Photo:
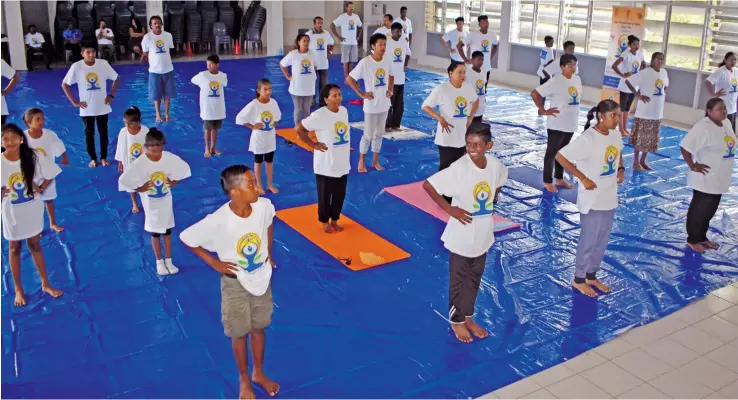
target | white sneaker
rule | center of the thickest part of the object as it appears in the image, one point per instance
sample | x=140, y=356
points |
x=172, y=269
x=161, y=268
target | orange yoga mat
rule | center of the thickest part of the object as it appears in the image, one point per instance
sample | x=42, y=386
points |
x=291, y=135
x=363, y=247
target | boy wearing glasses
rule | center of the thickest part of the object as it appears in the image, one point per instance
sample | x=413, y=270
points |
x=473, y=182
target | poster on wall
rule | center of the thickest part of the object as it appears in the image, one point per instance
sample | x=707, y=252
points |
x=625, y=21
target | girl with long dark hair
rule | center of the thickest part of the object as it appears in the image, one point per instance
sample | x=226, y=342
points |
x=136, y=33
x=723, y=83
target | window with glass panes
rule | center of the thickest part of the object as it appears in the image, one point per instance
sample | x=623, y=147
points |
x=440, y=16
x=722, y=33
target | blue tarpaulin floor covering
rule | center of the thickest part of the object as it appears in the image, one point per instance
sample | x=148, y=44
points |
x=122, y=331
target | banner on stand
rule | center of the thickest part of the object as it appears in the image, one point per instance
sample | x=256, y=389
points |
x=625, y=21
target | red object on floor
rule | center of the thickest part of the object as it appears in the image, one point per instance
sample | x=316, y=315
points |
x=189, y=50
x=237, y=49
x=357, y=102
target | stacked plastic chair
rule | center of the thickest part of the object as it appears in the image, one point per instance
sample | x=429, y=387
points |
x=175, y=23
x=209, y=17
x=237, y=15
x=138, y=8
x=225, y=15
x=85, y=23
x=122, y=23
x=255, y=28
x=64, y=13
x=193, y=21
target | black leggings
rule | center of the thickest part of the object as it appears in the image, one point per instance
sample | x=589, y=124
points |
x=260, y=158
x=156, y=235
x=331, y=193
x=556, y=141
x=394, y=116
x=701, y=210
x=102, y=129
x=448, y=155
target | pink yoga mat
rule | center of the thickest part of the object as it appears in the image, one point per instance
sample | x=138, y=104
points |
x=415, y=195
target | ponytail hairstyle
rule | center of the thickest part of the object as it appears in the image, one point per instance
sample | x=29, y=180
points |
x=29, y=114
x=132, y=113
x=727, y=56
x=712, y=103
x=297, y=40
x=633, y=38
x=27, y=157
x=602, y=107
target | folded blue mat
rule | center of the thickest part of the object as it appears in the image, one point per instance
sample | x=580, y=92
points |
x=533, y=178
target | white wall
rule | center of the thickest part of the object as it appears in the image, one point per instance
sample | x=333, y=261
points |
x=300, y=14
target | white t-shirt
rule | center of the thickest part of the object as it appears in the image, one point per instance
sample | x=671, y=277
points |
x=91, y=84
x=714, y=146
x=333, y=130
x=473, y=190
x=454, y=106
x=23, y=216
x=597, y=156
x=477, y=80
x=157, y=202
x=547, y=54
x=242, y=241
x=348, y=25
x=319, y=43
x=407, y=27
x=263, y=141
x=454, y=36
x=484, y=43
x=157, y=47
x=631, y=63
x=50, y=146
x=727, y=80
x=384, y=31
x=36, y=40
x=376, y=80
x=303, y=72
x=653, y=85
x=7, y=73
x=554, y=68
x=397, y=50
x=130, y=147
x=566, y=95
x=212, y=95
x=106, y=34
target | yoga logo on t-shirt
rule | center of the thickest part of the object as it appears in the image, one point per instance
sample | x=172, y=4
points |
x=658, y=88
x=161, y=188
x=573, y=96
x=398, y=55
x=485, y=46
x=351, y=24
x=248, y=248
x=622, y=43
x=160, y=46
x=320, y=43
x=214, y=89
x=305, y=66
x=341, y=130
x=611, y=155
x=479, y=84
x=635, y=65
x=379, y=77
x=92, y=81
x=482, y=199
x=729, y=147
x=460, y=106
x=734, y=85
x=40, y=150
x=18, y=191
x=135, y=151
x=404, y=29
x=34, y=42
x=268, y=120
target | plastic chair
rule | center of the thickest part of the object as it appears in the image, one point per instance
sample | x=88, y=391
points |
x=193, y=22
x=175, y=23
x=225, y=15
x=209, y=18
x=255, y=27
x=220, y=36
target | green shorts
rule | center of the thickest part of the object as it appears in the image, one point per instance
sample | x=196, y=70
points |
x=241, y=311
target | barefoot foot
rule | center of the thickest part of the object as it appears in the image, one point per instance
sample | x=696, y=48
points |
x=637, y=167
x=699, y=248
x=550, y=187
x=646, y=166
x=260, y=189
x=462, y=333
x=92, y=164
x=158, y=119
x=563, y=183
x=135, y=209
x=56, y=227
x=599, y=285
x=269, y=386
x=361, y=168
x=710, y=245
x=20, y=299
x=378, y=167
x=336, y=227
x=104, y=162
x=207, y=154
x=216, y=151
x=52, y=291
x=327, y=228
x=475, y=329
x=273, y=189
x=168, y=118
x=245, y=390
x=584, y=289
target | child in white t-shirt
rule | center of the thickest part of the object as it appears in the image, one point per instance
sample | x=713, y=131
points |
x=475, y=78
x=709, y=149
x=629, y=63
x=241, y=234
x=46, y=143
x=473, y=182
x=331, y=156
x=212, y=85
x=302, y=62
x=723, y=83
x=131, y=141
x=153, y=176
x=597, y=153
x=261, y=115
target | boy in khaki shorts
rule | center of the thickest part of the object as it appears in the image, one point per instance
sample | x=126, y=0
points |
x=350, y=36
x=241, y=232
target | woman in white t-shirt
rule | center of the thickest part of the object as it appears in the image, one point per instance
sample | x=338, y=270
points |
x=332, y=147
x=723, y=83
x=261, y=115
x=302, y=80
x=628, y=64
x=597, y=153
x=25, y=176
x=131, y=141
x=709, y=149
x=651, y=94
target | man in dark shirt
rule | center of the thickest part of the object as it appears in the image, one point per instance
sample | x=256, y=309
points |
x=72, y=37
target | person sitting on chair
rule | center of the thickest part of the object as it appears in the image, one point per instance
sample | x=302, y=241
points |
x=34, y=45
x=105, y=45
x=72, y=37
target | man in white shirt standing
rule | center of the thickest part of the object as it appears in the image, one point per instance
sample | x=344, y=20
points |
x=155, y=46
x=321, y=44
x=398, y=50
x=34, y=44
x=482, y=40
x=8, y=73
x=90, y=76
x=349, y=36
x=386, y=28
x=105, y=45
x=454, y=37
x=407, y=26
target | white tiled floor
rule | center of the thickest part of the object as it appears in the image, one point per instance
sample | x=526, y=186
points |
x=690, y=354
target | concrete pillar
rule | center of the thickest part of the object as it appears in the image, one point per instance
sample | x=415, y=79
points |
x=52, y=20
x=154, y=7
x=504, y=49
x=274, y=29
x=14, y=26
